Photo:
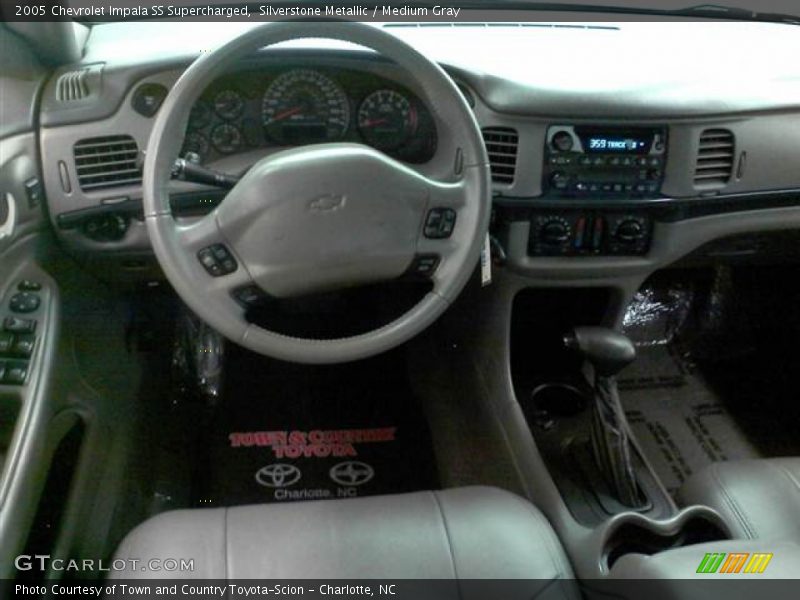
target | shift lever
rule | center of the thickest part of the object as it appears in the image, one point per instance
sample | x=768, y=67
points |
x=609, y=352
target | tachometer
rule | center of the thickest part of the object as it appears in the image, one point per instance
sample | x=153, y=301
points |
x=386, y=119
x=303, y=107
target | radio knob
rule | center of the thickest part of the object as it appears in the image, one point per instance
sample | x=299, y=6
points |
x=562, y=141
x=629, y=231
x=555, y=232
x=559, y=180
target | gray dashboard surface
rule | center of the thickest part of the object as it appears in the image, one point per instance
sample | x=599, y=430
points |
x=636, y=69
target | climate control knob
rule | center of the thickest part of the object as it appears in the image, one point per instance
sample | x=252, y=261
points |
x=554, y=232
x=629, y=231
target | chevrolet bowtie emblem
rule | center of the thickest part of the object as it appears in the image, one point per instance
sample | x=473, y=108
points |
x=327, y=203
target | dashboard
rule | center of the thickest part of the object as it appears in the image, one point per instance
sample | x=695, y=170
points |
x=600, y=166
x=297, y=106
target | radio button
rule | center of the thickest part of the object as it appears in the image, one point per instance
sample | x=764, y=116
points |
x=559, y=180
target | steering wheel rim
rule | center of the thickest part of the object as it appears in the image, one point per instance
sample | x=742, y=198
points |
x=462, y=183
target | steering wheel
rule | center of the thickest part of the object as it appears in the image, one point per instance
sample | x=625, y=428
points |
x=323, y=217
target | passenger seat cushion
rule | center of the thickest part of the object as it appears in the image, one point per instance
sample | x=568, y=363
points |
x=475, y=533
x=760, y=499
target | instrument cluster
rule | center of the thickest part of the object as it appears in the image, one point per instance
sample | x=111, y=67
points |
x=293, y=107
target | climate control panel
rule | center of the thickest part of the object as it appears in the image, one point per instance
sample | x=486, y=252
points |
x=586, y=233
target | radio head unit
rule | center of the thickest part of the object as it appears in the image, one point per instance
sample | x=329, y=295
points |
x=591, y=160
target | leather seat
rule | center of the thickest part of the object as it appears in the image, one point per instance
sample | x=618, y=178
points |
x=760, y=499
x=473, y=532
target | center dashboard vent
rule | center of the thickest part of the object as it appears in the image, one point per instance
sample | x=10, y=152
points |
x=501, y=146
x=715, y=157
x=109, y=161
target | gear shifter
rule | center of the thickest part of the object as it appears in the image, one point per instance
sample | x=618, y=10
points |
x=609, y=352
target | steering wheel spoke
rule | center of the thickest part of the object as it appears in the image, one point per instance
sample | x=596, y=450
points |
x=198, y=234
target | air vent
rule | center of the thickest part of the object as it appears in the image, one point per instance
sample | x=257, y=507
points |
x=105, y=162
x=715, y=157
x=73, y=86
x=501, y=146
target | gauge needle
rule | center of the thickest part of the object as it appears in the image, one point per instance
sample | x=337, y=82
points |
x=286, y=114
x=373, y=122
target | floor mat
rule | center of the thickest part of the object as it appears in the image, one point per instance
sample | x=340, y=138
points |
x=287, y=432
x=677, y=418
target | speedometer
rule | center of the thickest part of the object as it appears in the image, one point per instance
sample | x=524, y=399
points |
x=303, y=107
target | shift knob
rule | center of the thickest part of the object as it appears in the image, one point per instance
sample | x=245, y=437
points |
x=608, y=351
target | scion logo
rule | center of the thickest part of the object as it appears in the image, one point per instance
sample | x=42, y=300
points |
x=278, y=475
x=351, y=472
x=327, y=203
x=734, y=562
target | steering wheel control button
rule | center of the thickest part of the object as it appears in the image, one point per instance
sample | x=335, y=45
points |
x=19, y=325
x=26, y=285
x=24, y=302
x=424, y=265
x=15, y=373
x=440, y=223
x=217, y=260
x=249, y=296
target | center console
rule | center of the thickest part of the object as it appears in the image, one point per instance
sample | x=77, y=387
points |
x=587, y=169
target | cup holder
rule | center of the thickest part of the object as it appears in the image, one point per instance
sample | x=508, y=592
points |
x=557, y=398
x=639, y=535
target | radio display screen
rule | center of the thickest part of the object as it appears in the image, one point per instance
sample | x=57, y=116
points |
x=616, y=142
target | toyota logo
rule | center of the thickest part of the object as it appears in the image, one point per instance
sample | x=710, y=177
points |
x=278, y=475
x=352, y=472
